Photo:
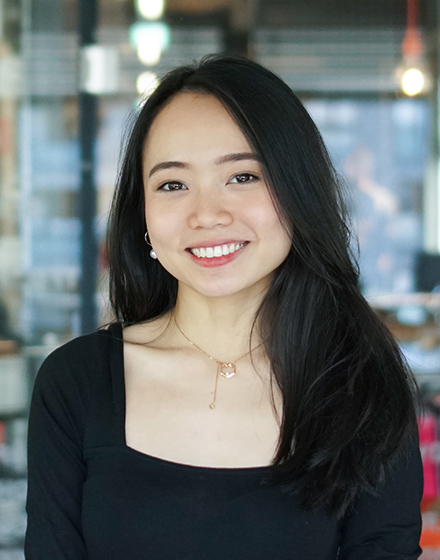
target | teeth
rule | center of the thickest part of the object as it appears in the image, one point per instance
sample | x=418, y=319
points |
x=217, y=251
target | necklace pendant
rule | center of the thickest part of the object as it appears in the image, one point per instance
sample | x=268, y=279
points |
x=228, y=370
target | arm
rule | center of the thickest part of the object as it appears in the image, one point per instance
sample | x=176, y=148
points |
x=387, y=526
x=55, y=459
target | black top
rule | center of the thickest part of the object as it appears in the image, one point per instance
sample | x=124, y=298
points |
x=92, y=497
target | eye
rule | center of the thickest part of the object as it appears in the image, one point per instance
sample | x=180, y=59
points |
x=172, y=186
x=244, y=178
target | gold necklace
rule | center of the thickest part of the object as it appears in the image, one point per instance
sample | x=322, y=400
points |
x=225, y=369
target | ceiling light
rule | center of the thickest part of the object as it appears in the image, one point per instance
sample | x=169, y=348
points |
x=413, y=81
x=412, y=73
x=149, y=40
x=150, y=9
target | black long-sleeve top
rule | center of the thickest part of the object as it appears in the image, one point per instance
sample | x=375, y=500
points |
x=92, y=497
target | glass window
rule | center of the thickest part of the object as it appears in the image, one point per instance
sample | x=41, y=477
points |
x=380, y=148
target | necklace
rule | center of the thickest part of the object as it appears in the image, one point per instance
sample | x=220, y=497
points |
x=225, y=369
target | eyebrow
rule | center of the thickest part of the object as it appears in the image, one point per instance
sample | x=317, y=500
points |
x=242, y=156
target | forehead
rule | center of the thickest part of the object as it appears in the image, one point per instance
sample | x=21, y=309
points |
x=190, y=124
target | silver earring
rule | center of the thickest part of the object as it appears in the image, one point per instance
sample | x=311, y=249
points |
x=152, y=252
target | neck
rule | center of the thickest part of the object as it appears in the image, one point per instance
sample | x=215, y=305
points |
x=221, y=326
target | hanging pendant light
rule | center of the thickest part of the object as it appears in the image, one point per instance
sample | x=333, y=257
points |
x=412, y=74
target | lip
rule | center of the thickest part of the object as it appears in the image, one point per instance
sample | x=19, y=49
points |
x=216, y=261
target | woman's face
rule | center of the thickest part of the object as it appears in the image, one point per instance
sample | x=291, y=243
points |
x=210, y=217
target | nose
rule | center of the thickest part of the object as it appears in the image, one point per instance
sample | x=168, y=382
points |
x=208, y=210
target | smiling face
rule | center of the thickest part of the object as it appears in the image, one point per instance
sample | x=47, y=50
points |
x=210, y=217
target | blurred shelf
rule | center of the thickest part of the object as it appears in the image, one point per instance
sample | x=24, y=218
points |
x=428, y=300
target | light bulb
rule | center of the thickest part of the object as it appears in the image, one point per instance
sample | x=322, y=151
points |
x=149, y=53
x=149, y=40
x=151, y=9
x=413, y=81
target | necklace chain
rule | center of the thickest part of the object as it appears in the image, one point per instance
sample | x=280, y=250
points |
x=225, y=369
x=206, y=353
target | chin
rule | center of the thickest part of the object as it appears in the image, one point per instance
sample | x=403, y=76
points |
x=230, y=289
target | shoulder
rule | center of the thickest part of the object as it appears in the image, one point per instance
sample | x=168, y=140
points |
x=387, y=524
x=407, y=470
x=74, y=364
x=389, y=499
x=82, y=351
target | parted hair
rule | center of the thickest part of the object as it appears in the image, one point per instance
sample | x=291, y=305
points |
x=348, y=396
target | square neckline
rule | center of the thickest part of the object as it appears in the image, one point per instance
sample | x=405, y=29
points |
x=119, y=396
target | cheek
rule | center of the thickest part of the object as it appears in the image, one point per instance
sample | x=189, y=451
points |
x=153, y=215
x=276, y=233
x=266, y=219
x=163, y=223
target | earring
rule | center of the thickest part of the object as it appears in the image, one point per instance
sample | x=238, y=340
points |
x=152, y=252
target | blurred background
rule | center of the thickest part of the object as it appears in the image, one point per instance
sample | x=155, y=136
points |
x=72, y=72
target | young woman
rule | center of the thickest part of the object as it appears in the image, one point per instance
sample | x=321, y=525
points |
x=247, y=404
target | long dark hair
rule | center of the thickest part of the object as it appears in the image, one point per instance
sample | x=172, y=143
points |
x=348, y=397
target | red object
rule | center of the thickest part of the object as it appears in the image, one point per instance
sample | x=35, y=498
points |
x=412, y=45
x=427, y=435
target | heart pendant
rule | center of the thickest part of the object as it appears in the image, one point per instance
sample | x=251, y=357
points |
x=228, y=370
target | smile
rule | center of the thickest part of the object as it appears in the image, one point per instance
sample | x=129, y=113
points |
x=217, y=251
